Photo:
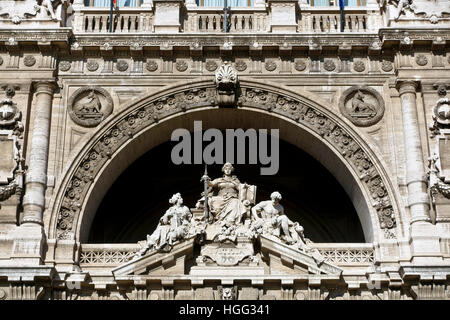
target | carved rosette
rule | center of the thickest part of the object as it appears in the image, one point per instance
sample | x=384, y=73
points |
x=359, y=66
x=64, y=66
x=421, y=60
x=329, y=65
x=362, y=105
x=88, y=106
x=140, y=118
x=152, y=65
x=241, y=65
x=29, y=61
x=211, y=65
x=300, y=65
x=270, y=65
x=181, y=65
x=92, y=65
x=387, y=66
x=122, y=65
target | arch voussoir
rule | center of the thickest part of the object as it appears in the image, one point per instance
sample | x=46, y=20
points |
x=142, y=114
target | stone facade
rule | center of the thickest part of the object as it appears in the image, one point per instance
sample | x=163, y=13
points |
x=77, y=102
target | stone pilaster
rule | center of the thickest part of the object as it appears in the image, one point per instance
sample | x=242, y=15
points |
x=424, y=236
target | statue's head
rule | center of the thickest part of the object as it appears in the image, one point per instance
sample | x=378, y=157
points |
x=176, y=198
x=276, y=196
x=227, y=168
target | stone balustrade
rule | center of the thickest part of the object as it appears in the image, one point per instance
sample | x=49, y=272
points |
x=196, y=19
x=340, y=254
x=328, y=19
x=97, y=20
x=240, y=19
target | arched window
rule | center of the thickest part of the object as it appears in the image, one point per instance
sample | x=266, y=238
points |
x=220, y=3
x=107, y=3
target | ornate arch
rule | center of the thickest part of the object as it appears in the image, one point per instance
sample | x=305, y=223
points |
x=147, y=112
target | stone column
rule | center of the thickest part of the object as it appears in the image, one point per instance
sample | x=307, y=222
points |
x=425, y=247
x=36, y=177
x=415, y=171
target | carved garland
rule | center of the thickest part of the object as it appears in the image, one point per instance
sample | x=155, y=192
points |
x=150, y=113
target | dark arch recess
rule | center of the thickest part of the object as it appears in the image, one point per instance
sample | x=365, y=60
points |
x=133, y=205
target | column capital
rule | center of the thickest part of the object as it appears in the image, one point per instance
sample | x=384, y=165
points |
x=407, y=86
x=44, y=86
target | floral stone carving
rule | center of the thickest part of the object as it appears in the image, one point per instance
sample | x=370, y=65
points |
x=226, y=81
x=363, y=106
x=88, y=106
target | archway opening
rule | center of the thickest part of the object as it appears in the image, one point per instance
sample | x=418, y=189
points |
x=311, y=195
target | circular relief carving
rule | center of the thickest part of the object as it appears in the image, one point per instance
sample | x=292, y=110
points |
x=1, y=61
x=211, y=65
x=329, y=65
x=300, y=296
x=152, y=65
x=65, y=65
x=387, y=66
x=122, y=65
x=181, y=66
x=92, y=65
x=241, y=65
x=359, y=66
x=421, y=60
x=270, y=65
x=29, y=61
x=300, y=65
x=2, y=294
x=153, y=296
x=362, y=105
x=88, y=106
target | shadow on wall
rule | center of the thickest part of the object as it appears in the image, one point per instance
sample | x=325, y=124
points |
x=139, y=197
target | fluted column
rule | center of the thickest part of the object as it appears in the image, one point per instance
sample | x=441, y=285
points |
x=36, y=177
x=415, y=171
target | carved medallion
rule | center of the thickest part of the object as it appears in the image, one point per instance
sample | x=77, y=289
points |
x=300, y=65
x=1, y=61
x=88, y=106
x=329, y=65
x=92, y=65
x=152, y=65
x=386, y=66
x=270, y=65
x=29, y=61
x=65, y=65
x=362, y=105
x=359, y=66
x=211, y=65
x=181, y=66
x=421, y=60
x=122, y=65
x=241, y=65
